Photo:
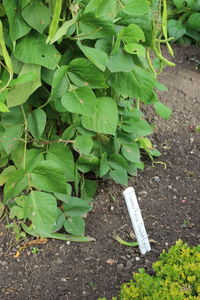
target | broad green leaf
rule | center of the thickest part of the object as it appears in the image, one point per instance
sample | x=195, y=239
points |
x=75, y=225
x=76, y=207
x=137, y=84
x=3, y=107
x=133, y=168
x=83, y=73
x=41, y=209
x=104, y=119
x=11, y=137
x=30, y=76
x=80, y=101
x=179, y=3
x=62, y=155
x=176, y=29
x=96, y=56
x=87, y=163
x=136, y=7
x=133, y=34
x=131, y=152
x=17, y=183
x=63, y=29
x=120, y=62
x=83, y=144
x=155, y=152
x=48, y=176
x=20, y=93
x=60, y=82
x=59, y=221
x=13, y=117
x=36, y=15
x=102, y=8
x=104, y=165
x=138, y=128
x=33, y=157
x=17, y=26
x=17, y=155
x=3, y=162
x=134, y=48
x=88, y=189
x=95, y=27
x=16, y=211
x=117, y=161
x=193, y=21
x=36, y=123
x=5, y=174
x=68, y=133
x=119, y=176
x=33, y=49
x=162, y=110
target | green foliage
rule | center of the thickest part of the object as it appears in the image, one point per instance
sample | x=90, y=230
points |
x=71, y=83
x=184, y=21
x=177, y=276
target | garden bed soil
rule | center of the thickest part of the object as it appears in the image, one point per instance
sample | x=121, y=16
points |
x=169, y=199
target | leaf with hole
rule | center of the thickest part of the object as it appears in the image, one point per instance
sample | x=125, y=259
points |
x=134, y=48
x=34, y=50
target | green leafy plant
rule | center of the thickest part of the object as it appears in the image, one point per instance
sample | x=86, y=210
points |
x=184, y=21
x=177, y=276
x=73, y=76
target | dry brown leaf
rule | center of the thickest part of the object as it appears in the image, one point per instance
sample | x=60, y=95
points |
x=111, y=261
x=40, y=241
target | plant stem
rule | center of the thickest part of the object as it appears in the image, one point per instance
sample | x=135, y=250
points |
x=25, y=137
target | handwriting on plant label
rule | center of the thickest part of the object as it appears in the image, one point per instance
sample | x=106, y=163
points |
x=136, y=220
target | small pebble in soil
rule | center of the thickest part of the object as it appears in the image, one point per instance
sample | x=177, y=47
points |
x=120, y=267
x=137, y=258
x=129, y=264
x=142, y=193
x=59, y=260
x=156, y=179
x=3, y=263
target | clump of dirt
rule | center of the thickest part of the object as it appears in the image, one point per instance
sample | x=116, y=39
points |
x=169, y=199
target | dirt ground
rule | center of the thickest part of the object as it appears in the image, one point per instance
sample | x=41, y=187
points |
x=169, y=199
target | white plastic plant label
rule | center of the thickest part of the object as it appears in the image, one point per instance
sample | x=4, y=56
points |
x=136, y=220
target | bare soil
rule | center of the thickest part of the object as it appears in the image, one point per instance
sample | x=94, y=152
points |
x=169, y=199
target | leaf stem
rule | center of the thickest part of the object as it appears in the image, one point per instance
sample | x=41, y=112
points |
x=25, y=137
